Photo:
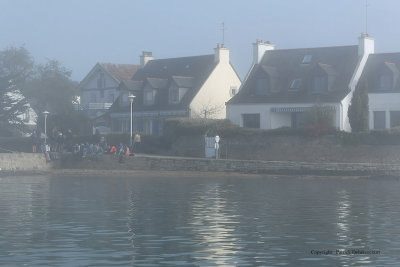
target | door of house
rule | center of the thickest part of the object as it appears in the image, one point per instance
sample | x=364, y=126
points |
x=210, y=147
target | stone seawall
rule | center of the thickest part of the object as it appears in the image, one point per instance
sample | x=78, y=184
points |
x=160, y=163
x=23, y=162
x=36, y=163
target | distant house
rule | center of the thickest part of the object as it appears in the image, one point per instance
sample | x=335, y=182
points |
x=283, y=84
x=99, y=87
x=381, y=76
x=195, y=87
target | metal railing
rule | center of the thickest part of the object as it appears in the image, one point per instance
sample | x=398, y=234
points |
x=90, y=106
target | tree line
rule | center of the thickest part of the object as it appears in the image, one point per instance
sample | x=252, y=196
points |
x=25, y=84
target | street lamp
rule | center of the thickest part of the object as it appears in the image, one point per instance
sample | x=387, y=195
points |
x=45, y=113
x=131, y=97
x=217, y=138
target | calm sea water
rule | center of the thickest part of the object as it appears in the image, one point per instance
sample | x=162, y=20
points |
x=162, y=220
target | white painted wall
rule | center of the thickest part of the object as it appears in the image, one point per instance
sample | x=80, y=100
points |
x=269, y=119
x=216, y=90
x=383, y=102
x=366, y=46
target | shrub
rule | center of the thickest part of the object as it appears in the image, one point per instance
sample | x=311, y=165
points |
x=18, y=144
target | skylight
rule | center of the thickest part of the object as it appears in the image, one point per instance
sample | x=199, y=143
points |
x=295, y=84
x=307, y=59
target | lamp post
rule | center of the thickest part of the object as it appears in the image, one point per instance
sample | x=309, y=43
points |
x=131, y=97
x=217, y=138
x=45, y=113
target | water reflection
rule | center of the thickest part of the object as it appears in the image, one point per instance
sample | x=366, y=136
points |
x=343, y=214
x=196, y=221
x=213, y=225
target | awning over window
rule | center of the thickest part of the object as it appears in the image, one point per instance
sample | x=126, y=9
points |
x=298, y=109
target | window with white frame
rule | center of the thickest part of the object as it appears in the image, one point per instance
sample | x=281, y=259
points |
x=251, y=120
x=379, y=119
x=394, y=118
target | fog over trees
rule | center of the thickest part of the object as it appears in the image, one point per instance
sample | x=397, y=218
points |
x=24, y=85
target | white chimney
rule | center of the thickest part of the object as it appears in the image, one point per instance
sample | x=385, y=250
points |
x=366, y=45
x=221, y=54
x=145, y=57
x=259, y=48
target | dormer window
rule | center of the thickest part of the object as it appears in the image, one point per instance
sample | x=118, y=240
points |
x=262, y=86
x=385, y=82
x=174, y=95
x=148, y=97
x=319, y=84
x=295, y=86
x=306, y=60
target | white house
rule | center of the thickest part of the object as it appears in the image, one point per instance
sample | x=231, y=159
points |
x=99, y=87
x=283, y=84
x=381, y=76
x=195, y=87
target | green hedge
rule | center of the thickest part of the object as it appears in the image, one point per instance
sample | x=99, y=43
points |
x=17, y=144
x=374, y=137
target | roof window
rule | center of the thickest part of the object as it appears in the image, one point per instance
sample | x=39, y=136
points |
x=306, y=59
x=295, y=85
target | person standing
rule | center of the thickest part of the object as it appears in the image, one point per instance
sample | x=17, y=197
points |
x=35, y=141
x=136, y=142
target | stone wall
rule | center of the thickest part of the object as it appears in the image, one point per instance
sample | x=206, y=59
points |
x=160, y=163
x=291, y=148
x=23, y=162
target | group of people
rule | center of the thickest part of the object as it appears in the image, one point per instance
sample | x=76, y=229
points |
x=123, y=150
x=55, y=142
x=59, y=142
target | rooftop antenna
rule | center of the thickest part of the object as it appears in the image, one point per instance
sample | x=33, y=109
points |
x=366, y=16
x=223, y=34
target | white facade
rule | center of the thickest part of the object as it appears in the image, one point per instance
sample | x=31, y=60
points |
x=276, y=115
x=216, y=91
x=387, y=103
x=366, y=46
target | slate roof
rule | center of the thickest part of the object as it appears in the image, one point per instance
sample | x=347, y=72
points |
x=121, y=72
x=161, y=74
x=375, y=66
x=157, y=83
x=284, y=66
x=131, y=85
x=183, y=82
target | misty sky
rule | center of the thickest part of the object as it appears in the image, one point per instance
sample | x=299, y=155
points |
x=80, y=33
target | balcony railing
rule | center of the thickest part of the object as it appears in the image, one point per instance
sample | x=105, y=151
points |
x=92, y=106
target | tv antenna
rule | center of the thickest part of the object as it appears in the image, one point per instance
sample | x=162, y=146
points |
x=223, y=34
x=366, y=16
